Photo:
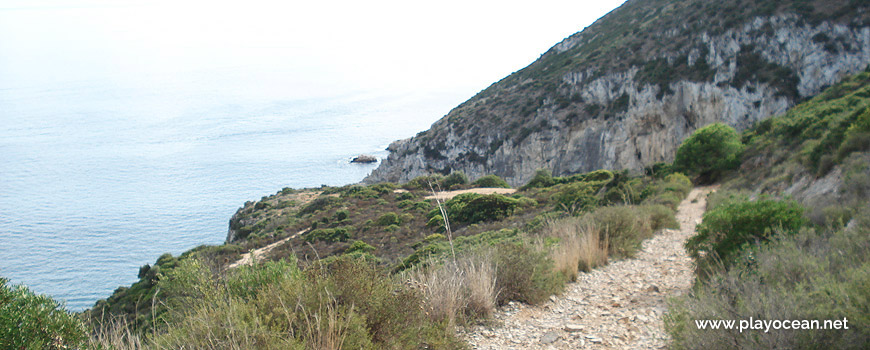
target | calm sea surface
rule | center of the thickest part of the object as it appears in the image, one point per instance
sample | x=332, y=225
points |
x=99, y=178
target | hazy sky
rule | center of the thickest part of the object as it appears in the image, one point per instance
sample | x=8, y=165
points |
x=323, y=44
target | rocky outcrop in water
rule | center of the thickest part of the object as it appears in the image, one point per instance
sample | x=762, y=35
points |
x=627, y=90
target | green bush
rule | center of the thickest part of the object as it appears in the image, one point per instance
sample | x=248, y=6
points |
x=471, y=208
x=660, y=217
x=320, y=203
x=340, y=215
x=525, y=275
x=363, y=192
x=576, y=197
x=359, y=246
x=736, y=225
x=338, y=234
x=807, y=276
x=490, y=181
x=709, y=152
x=542, y=178
x=455, y=178
x=31, y=321
x=423, y=182
x=406, y=196
x=388, y=219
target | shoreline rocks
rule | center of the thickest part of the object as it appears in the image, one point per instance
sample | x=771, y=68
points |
x=364, y=159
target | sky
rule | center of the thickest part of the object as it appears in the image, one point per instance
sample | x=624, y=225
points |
x=322, y=45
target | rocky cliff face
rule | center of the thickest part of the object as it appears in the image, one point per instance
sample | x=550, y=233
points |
x=627, y=90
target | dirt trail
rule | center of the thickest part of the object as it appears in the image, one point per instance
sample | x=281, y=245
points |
x=256, y=254
x=618, y=306
x=445, y=195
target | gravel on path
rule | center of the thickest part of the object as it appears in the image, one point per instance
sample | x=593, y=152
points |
x=618, y=306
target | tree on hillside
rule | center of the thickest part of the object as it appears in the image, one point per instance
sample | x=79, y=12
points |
x=709, y=152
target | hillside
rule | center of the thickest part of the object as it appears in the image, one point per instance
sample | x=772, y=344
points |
x=583, y=140
x=623, y=93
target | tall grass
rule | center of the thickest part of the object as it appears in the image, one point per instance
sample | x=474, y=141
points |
x=580, y=248
x=456, y=292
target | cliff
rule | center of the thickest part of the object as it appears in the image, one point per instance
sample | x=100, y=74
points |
x=624, y=92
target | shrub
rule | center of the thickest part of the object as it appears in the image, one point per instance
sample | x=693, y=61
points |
x=576, y=197
x=807, y=276
x=359, y=246
x=737, y=225
x=660, y=217
x=340, y=215
x=623, y=228
x=471, y=208
x=542, y=178
x=455, y=178
x=422, y=182
x=362, y=192
x=406, y=196
x=709, y=152
x=524, y=274
x=31, y=321
x=320, y=203
x=490, y=181
x=338, y=234
x=346, y=302
x=388, y=219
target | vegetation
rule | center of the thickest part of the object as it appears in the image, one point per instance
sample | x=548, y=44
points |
x=825, y=130
x=709, y=152
x=490, y=181
x=816, y=274
x=734, y=226
x=32, y=321
x=774, y=259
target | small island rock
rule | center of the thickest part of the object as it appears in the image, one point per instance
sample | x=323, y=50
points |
x=364, y=158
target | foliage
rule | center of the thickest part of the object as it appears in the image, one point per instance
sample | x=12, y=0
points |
x=542, y=178
x=490, y=181
x=824, y=130
x=471, y=208
x=337, y=234
x=455, y=178
x=33, y=321
x=348, y=303
x=576, y=197
x=359, y=246
x=734, y=226
x=807, y=276
x=709, y=152
x=388, y=219
x=320, y=203
x=622, y=228
x=524, y=274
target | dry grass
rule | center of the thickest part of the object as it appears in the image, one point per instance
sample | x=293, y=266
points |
x=116, y=334
x=326, y=328
x=580, y=246
x=458, y=291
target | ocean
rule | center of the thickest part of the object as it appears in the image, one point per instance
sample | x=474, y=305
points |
x=100, y=178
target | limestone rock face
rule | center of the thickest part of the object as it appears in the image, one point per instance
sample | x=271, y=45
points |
x=632, y=111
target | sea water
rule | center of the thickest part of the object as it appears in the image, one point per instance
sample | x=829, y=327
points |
x=99, y=178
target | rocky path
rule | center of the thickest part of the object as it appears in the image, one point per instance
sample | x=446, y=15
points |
x=257, y=254
x=618, y=306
